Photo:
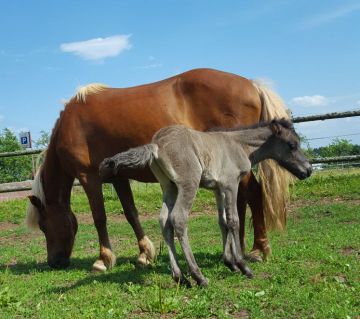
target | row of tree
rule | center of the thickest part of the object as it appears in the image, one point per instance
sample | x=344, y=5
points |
x=19, y=168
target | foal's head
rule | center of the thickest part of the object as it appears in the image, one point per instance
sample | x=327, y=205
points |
x=284, y=147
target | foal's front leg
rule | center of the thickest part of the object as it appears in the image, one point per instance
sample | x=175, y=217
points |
x=232, y=249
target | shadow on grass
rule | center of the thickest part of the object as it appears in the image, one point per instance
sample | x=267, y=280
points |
x=121, y=274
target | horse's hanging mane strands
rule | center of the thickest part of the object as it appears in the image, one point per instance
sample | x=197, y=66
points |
x=93, y=88
x=283, y=122
x=32, y=215
x=275, y=191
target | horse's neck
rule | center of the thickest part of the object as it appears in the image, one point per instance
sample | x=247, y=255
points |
x=56, y=184
x=251, y=141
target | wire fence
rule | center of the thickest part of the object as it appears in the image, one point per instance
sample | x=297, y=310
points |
x=318, y=163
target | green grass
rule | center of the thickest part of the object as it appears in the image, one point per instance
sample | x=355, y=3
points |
x=314, y=271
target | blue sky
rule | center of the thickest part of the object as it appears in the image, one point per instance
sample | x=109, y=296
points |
x=308, y=51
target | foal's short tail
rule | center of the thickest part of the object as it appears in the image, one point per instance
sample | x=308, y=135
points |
x=274, y=179
x=133, y=158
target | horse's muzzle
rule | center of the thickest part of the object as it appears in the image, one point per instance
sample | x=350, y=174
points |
x=59, y=262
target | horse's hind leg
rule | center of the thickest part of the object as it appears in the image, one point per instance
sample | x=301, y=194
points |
x=253, y=193
x=146, y=247
x=93, y=189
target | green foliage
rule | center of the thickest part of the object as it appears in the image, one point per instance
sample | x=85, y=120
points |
x=43, y=140
x=338, y=147
x=13, y=169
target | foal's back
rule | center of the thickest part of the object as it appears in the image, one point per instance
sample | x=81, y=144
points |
x=186, y=155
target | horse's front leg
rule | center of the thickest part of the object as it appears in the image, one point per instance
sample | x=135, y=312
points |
x=146, y=247
x=93, y=188
x=251, y=193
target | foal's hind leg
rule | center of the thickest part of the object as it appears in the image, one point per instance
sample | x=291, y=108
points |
x=146, y=247
x=179, y=219
x=93, y=188
x=169, y=198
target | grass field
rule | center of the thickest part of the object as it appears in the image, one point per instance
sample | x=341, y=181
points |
x=314, y=271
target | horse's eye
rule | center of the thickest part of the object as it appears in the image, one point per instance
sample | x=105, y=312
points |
x=292, y=146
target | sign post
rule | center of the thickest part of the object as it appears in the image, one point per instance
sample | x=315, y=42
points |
x=25, y=141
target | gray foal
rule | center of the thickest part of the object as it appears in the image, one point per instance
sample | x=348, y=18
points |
x=184, y=160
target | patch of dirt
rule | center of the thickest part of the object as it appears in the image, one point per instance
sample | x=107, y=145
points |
x=24, y=238
x=350, y=251
x=242, y=314
x=4, y=226
x=264, y=275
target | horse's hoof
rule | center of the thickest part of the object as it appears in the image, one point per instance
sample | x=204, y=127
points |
x=143, y=260
x=147, y=250
x=99, y=266
x=254, y=256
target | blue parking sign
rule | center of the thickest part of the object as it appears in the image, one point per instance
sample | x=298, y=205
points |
x=25, y=139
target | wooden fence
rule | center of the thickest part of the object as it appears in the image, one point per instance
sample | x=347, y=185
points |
x=26, y=185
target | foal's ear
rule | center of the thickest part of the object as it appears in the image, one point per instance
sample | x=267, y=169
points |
x=275, y=127
x=36, y=202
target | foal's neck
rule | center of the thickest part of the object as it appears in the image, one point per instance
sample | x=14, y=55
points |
x=251, y=140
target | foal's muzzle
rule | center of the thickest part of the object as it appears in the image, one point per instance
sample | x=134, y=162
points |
x=306, y=173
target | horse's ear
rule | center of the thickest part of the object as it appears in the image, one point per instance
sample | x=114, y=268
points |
x=36, y=202
x=275, y=127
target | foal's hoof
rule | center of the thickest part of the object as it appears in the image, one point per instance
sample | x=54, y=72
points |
x=203, y=283
x=182, y=281
x=247, y=272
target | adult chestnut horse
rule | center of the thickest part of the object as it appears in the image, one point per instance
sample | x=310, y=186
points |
x=100, y=122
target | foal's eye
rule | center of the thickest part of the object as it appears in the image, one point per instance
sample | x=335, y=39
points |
x=292, y=146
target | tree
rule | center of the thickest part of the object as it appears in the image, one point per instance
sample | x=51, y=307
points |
x=13, y=169
x=43, y=140
x=338, y=147
x=305, y=146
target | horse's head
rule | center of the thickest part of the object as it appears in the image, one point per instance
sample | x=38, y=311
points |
x=59, y=225
x=285, y=149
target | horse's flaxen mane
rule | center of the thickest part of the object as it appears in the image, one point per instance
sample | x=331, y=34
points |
x=32, y=215
x=283, y=122
x=83, y=91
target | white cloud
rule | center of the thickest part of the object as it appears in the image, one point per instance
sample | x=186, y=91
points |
x=99, y=48
x=329, y=16
x=309, y=101
x=150, y=66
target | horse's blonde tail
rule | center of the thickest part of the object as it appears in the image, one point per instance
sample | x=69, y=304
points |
x=274, y=179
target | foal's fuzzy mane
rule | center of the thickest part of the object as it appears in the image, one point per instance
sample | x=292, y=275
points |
x=283, y=122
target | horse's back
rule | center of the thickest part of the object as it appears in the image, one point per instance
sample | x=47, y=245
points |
x=115, y=119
